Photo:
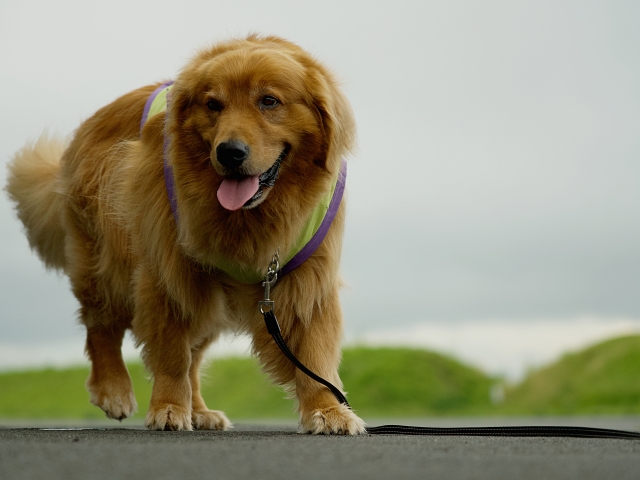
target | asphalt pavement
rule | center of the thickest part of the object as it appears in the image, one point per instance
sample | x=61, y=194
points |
x=275, y=451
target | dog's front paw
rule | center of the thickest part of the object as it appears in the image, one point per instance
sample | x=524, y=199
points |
x=338, y=419
x=210, y=420
x=168, y=417
x=116, y=399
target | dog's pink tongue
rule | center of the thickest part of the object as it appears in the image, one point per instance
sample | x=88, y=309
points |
x=233, y=194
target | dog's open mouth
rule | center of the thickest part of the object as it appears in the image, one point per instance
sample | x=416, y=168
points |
x=243, y=191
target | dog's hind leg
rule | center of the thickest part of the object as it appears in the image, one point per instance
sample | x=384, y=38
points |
x=106, y=319
x=109, y=384
x=201, y=417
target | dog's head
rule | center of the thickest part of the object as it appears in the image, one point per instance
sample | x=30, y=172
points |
x=249, y=115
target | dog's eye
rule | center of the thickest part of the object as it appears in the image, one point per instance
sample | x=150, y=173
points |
x=214, y=105
x=269, y=101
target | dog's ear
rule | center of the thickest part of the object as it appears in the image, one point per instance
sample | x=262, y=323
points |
x=180, y=100
x=335, y=117
x=181, y=96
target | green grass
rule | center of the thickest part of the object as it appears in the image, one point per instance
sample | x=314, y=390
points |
x=238, y=387
x=397, y=382
x=56, y=393
x=603, y=379
x=412, y=383
x=381, y=382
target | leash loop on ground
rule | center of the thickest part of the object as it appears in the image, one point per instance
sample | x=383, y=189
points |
x=519, y=431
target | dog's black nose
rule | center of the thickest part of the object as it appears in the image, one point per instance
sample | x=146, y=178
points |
x=232, y=154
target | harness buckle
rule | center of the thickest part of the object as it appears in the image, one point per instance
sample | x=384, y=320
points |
x=270, y=279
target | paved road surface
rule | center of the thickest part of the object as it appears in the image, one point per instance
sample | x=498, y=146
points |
x=275, y=452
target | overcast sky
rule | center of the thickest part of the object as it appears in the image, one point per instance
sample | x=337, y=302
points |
x=498, y=170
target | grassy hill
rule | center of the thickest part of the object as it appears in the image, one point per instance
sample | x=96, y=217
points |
x=381, y=382
x=602, y=379
x=412, y=383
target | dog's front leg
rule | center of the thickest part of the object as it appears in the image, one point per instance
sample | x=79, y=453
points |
x=168, y=358
x=316, y=343
x=166, y=352
x=320, y=411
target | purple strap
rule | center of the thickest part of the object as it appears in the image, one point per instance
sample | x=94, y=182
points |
x=313, y=244
x=168, y=171
x=147, y=105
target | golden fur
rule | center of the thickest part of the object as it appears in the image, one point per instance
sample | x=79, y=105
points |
x=99, y=211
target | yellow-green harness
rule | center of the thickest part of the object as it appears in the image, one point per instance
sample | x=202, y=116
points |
x=312, y=233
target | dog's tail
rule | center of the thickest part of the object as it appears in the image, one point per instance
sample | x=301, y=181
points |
x=33, y=184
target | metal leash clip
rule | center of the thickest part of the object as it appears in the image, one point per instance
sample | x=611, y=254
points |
x=270, y=278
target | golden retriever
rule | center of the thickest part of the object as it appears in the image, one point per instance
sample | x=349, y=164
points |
x=99, y=209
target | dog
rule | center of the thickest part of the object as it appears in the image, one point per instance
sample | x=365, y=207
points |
x=168, y=228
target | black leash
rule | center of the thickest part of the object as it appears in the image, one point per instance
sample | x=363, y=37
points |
x=274, y=329
x=533, y=431
x=266, y=308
